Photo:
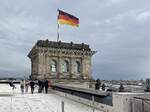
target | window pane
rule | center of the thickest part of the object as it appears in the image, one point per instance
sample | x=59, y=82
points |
x=77, y=67
x=65, y=66
x=53, y=66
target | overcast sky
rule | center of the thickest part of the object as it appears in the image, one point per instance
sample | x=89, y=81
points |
x=119, y=30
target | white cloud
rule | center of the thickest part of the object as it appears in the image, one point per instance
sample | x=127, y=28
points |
x=131, y=17
x=143, y=16
x=116, y=1
x=19, y=24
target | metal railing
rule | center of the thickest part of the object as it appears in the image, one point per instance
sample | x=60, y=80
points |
x=142, y=104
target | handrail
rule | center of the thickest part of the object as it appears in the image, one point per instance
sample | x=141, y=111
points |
x=144, y=101
x=147, y=102
x=142, y=98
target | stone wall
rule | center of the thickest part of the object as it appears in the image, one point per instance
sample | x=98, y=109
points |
x=41, y=59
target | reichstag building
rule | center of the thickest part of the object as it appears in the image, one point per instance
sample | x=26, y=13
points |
x=60, y=60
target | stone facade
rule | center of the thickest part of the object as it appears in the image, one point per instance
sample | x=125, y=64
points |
x=50, y=59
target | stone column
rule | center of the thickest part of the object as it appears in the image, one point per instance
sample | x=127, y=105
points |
x=86, y=67
x=83, y=67
x=59, y=67
x=47, y=65
x=71, y=67
x=42, y=65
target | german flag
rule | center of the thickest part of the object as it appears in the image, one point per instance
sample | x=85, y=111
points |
x=65, y=18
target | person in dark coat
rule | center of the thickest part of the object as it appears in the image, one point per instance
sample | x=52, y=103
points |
x=22, y=84
x=32, y=83
x=40, y=86
x=26, y=85
x=46, y=86
x=11, y=84
x=103, y=87
x=97, y=84
x=121, y=88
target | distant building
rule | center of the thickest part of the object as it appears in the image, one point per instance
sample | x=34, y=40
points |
x=50, y=59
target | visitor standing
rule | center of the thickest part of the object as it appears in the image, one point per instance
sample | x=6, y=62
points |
x=32, y=83
x=97, y=84
x=103, y=87
x=46, y=86
x=26, y=85
x=22, y=86
x=121, y=88
x=40, y=86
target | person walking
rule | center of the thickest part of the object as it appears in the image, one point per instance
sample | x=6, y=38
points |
x=26, y=85
x=32, y=83
x=22, y=86
x=11, y=84
x=46, y=86
x=40, y=86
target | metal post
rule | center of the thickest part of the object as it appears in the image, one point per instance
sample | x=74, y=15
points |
x=131, y=104
x=57, y=31
x=62, y=107
x=142, y=106
x=93, y=100
x=11, y=104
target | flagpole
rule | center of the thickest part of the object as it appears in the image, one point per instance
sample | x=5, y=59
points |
x=57, y=32
x=57, y=27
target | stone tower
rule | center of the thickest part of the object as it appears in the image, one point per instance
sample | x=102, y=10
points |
x=55, y=60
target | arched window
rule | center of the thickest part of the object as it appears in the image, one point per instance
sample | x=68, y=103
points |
x=53, y=66
x=65, y=66
x=77, y=67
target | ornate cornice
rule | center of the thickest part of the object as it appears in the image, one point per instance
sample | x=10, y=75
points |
x=38, y=50
x=65, y=52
